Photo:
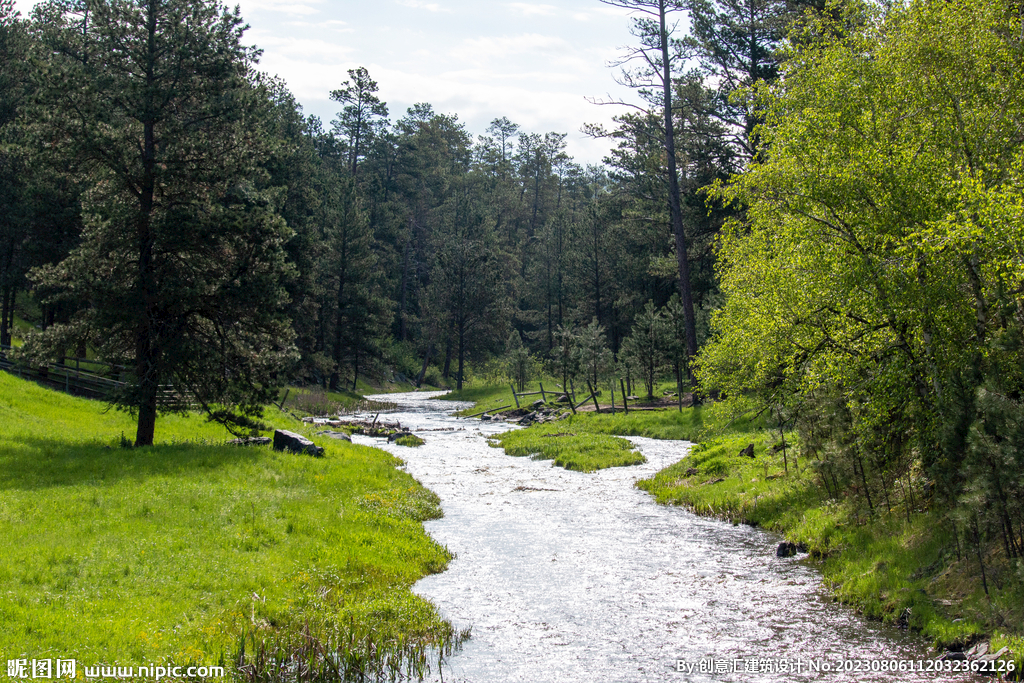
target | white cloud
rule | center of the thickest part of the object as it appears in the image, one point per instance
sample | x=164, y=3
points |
x=283, y=6
x=501, y=47
x=530, y=9
x=418, y=4
x=312, y=51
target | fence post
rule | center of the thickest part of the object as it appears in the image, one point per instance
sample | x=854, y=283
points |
x=512, y=387
x=593, y=395
x=625, y=404
x=542, y=394
x=613, y=397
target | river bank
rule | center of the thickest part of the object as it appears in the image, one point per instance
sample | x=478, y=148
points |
x=896, y=565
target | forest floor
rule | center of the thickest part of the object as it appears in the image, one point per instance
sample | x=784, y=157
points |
x=195, y=552
x=900, y=568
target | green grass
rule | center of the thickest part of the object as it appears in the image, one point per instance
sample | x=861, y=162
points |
x=186, y=550
x=410, y=440
x=569, y=449
x=657, y=424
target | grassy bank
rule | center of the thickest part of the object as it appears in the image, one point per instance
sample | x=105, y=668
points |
x=190, y=550
x=888, y=566
x=582, y=451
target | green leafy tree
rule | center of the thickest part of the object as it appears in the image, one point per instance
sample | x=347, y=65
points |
x=566, y=359
x=675, y=344
x=877, y=279
x=181, y=260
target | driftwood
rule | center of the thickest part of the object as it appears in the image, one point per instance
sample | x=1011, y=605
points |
x=489, y=410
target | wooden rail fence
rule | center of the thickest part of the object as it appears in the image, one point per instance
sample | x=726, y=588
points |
x=99, y=380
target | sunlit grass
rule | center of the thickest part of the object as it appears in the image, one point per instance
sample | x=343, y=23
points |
x=574, y=451
x=182, y=551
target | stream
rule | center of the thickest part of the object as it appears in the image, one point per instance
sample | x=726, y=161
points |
x=573, y=577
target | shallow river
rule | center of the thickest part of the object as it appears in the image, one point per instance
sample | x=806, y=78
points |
x=565, y=576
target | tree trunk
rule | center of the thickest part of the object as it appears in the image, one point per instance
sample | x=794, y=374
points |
x=426, y=362
x=462, y=352
x=675, y=208
x=6, y=315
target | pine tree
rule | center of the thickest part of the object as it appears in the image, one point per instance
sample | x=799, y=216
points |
x=181, y=260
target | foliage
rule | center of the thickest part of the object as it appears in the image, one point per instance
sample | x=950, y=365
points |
x=874, y=291
x=410, y=440
x=518, y=363
x=645, y=347
x=593, y=356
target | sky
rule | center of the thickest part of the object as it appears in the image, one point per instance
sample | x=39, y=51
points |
x=535, y=63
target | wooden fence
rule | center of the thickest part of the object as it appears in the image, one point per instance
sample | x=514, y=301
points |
x=97, y=380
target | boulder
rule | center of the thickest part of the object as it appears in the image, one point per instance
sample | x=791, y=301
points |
x=538, y=404
x=290, y=441
x=398, y=435
x=785, y=549
x=748, y=451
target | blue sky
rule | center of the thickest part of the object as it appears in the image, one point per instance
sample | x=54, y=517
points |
x=535, y=63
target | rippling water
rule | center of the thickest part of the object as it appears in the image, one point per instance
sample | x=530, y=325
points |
x=565, y=576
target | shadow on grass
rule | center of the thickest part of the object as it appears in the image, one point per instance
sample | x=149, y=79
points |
x=33, y=463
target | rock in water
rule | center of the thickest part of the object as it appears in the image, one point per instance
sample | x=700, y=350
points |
x=290, y=441
x=786, y=549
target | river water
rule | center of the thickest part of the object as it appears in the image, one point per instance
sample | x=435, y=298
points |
x=572, y=577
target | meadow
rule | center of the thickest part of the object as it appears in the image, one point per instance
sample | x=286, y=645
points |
x=197, y=552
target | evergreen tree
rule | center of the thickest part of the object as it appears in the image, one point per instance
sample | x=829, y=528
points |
x=645, y=347
x=181, y=260
x=363, y=117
